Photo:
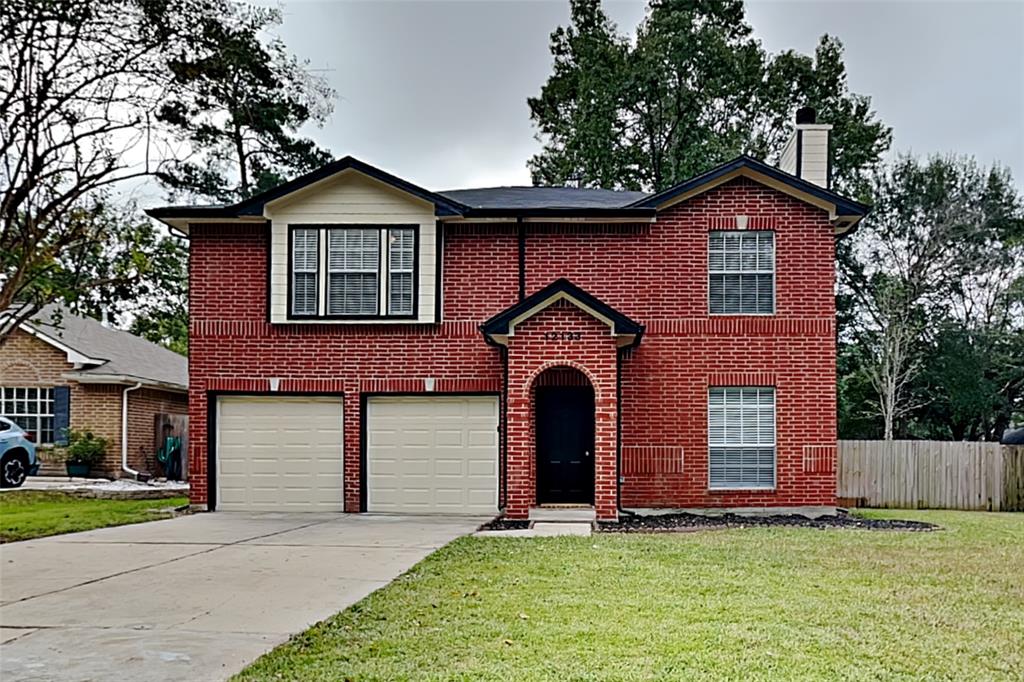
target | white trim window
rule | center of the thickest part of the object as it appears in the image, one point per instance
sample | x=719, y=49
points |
x=353, y=271
x=401, y=266
x=353, y=267
x=305, y=254
x=741, y=437
x=31, y=409
x=741, y=272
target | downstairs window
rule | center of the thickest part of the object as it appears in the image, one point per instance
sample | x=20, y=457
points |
x=741, y=438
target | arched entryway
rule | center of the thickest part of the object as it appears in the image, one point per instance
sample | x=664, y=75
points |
x=563, y=401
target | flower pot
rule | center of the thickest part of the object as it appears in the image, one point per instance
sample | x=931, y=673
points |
x=75, y=469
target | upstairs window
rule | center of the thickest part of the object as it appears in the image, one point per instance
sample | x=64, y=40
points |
x=305, y=258
x=364, y=271
x=741, y=437
x=741, y=273
x=353, y=265
x=401, y=259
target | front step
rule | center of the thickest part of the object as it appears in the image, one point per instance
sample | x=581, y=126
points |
x=563, y=514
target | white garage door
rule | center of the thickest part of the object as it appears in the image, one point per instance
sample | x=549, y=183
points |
x=432, y=455
x=279, y=454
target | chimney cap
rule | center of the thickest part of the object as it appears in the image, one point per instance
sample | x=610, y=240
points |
x=806, y=115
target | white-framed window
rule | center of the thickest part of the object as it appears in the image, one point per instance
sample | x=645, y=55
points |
x=305, y=260
x=353, y=268
x=741, y=272
x=401, y=264
x=31, y=409
x=741, y=437
x=365, y=271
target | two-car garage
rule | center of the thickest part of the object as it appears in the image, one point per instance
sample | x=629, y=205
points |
x=422, y=454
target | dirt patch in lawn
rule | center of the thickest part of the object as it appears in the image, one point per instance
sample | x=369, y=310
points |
x=683, y=522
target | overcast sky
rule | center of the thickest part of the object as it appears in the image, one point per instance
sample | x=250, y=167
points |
x=435, y=92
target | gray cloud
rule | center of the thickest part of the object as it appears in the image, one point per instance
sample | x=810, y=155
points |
x=436, y=91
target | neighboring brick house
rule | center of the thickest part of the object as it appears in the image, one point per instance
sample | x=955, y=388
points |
x=60, y=371
x=359, y=343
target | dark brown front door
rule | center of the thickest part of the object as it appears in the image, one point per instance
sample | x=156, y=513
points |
x=565, y=444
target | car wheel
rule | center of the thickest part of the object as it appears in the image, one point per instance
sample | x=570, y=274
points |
x=13, y=470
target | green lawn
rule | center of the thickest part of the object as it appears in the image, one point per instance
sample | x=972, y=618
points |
x=743, y=604
x=26, y=514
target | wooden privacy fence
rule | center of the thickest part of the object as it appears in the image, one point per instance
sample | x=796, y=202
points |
x=924, y=474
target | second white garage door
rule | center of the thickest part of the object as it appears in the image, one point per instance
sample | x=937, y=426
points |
x=432, y=454
x=279, y=454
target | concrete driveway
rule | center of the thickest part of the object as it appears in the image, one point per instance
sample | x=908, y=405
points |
x=197, y=597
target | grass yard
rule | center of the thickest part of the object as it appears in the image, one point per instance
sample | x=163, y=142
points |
x=743, y=604
x=26, y=514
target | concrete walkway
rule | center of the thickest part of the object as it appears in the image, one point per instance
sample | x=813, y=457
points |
x=196, y=597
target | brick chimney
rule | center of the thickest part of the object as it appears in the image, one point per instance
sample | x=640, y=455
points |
x=806, y=153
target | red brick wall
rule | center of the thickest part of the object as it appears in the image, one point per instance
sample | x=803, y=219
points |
x=655, y=273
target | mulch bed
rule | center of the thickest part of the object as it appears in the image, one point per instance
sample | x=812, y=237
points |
x=689, y=522
x=505, y=524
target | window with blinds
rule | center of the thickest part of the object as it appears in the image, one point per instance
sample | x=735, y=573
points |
x=353, y=266
x=741, y=437
x=305, y=255
x=741, y=272
x=401, y=260
x=358, y=271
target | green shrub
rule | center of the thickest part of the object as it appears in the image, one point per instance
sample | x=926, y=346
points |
x=84, y=447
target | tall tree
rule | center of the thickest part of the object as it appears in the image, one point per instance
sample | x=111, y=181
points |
x=694, y=72
x=694, y=90
x=936, y=265
x=858, y=139
x=239, y=100
x=579, y=110
x=79, y=84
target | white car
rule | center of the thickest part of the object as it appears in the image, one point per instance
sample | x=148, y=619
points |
x=17, y=454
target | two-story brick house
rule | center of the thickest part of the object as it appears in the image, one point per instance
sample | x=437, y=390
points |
x=359, y=343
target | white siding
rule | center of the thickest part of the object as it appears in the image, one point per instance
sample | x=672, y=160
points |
x=813, y=149
x=787, y=162
x=814, y=167
x=350, y=198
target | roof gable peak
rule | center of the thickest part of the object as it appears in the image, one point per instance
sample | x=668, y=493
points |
x=502, y=326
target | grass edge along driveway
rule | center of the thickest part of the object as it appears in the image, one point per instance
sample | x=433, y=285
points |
x=750, y=604
x=28, y=514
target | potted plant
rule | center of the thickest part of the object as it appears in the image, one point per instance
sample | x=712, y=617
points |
x=84, y=449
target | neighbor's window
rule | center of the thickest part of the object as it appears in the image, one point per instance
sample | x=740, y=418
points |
x=305, y=254
x=741, y=437
x=401, y=261
x=353, y=264
x=741, y=272
x=31, y=409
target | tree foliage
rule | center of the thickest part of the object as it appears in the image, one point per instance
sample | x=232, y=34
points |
x=239, y=100
x=96, y=95
x=936, y=277
x=79, y=84
x=695, y=90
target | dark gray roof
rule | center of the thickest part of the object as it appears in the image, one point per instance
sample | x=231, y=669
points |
x=118, y=352
x=542, y=197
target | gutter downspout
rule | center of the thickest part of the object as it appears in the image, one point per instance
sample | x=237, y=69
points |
x=124, y=429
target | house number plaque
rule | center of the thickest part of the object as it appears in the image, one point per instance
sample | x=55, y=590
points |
x=563, y=336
